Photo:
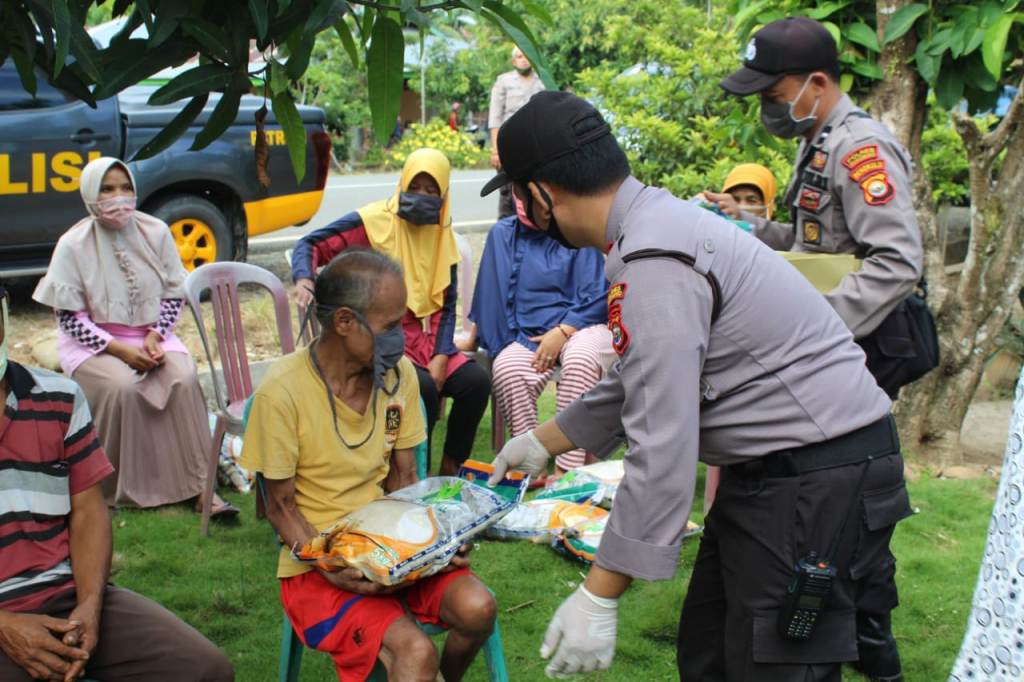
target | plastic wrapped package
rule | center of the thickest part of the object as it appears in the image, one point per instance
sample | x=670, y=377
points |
x=411, y=533
x=543, y=520
x=578, y=487
x=608, y=473
x=512, y=486
x=582, y=541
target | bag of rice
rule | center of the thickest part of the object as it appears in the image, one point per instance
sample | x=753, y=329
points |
x=582, y=541
x=511, y=487
x=575, y=486
x=411, y=533
x=543, y=520
x=595, y=483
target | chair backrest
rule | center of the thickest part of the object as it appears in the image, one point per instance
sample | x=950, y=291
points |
x=222, y=281
x=466, y=279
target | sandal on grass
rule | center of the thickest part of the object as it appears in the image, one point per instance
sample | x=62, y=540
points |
x=224, y=510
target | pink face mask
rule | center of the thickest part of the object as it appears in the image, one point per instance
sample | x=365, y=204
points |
x=521, y=213
x=115, y=213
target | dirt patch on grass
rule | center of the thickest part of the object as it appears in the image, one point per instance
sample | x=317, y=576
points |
x=33, y=331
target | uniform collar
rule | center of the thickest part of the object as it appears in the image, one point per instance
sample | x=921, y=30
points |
x=624, y=197
x=839, y=112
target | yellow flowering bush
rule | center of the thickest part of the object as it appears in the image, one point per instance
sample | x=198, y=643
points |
x=459, y=147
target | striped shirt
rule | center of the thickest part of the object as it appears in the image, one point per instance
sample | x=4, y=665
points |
x=49, y=451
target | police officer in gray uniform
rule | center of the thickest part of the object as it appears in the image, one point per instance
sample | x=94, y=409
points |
x=727, y=354
x=850, y=191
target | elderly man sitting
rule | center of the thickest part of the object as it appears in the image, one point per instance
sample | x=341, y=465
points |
x=330, y=429
x=59, y=617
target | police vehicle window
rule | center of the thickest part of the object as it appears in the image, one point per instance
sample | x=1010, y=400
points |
x=13, y=96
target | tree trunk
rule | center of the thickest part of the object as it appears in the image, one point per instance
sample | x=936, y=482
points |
x=898, y=100
x=970, y=315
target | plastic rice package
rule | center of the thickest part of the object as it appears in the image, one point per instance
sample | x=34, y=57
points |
x=512, y=487
x=543, y=520
x=575, y=486
x=607, y=473
x=411, y=533
x=582, y=541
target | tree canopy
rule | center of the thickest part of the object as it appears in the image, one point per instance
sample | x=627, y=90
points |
x=49, y=37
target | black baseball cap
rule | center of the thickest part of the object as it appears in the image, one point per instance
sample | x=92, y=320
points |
x=785, y=46
x=543, y=130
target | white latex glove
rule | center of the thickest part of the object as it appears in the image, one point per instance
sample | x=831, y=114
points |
x=525, y=453
x=581, y=635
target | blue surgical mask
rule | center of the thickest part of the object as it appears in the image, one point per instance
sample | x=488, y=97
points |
x=388, y=349
x=420, y=209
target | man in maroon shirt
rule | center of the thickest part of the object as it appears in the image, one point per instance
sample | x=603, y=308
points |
x=59, y=617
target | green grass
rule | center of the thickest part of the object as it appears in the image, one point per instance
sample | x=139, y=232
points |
x=224, y=585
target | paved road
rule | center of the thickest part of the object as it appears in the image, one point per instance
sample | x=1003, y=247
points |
x=470, y=212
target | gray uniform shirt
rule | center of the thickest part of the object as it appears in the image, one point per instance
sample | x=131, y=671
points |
x=778, y=369
x=854, y=196
x=509, y=93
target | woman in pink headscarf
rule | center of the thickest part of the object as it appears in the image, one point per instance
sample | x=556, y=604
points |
x=116, y=285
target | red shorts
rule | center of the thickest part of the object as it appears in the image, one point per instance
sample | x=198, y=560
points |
x=350, y=627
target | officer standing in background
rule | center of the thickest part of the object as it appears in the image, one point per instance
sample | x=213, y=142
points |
x=850, y=191
x=727, y=351
x=510, y=91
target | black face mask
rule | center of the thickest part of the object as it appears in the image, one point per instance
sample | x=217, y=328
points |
x=553, y=231
x=420, y=209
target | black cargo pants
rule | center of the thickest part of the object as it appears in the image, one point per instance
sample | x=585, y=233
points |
x=757, y=530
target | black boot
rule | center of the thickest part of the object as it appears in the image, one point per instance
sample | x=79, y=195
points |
x=879, y=655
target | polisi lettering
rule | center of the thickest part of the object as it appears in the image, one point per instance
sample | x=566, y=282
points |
x=60, y=172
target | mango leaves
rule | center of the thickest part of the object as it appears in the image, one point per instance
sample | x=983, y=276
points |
x=228, y=48
x=962, y=50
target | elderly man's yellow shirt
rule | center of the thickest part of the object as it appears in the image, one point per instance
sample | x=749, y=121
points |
x=289, y=434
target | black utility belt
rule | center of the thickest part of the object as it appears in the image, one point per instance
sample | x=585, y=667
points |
x=876, y=440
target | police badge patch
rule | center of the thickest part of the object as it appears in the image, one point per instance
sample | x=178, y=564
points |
x=877, y=189
x=812, y=232
x=620, y=335
x=810, y=200
x=392, y=423
x=819, y=160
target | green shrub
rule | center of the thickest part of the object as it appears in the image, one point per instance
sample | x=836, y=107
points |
x=679, y=128
x=459, y=147
x=945, y=160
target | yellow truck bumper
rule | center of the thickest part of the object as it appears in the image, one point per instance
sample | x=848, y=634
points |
x=267, y=215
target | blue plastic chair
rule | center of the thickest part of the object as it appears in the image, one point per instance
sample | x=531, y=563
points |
x=292, y=647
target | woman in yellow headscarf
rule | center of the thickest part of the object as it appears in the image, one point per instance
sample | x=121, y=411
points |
x=753, y=187
x=414, y=227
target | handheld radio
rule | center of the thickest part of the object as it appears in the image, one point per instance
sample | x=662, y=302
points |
x=805, y=597
x=812, y=581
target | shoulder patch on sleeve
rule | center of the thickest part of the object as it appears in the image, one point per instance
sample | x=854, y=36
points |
x=620, y=335
x=866, y=169
x=860, y=155
x=617, y=292
x=877, y=189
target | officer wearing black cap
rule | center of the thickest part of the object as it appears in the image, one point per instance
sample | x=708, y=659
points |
x=728, y=354
x=850, y=191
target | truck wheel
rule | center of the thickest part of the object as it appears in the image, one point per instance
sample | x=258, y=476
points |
x=199, y=228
